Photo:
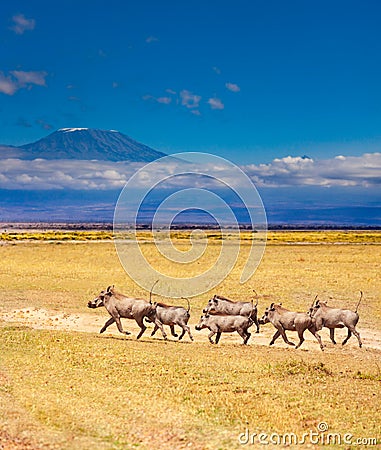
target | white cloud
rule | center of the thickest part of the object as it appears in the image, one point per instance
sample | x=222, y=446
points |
x=165, y=100
x=7, y=85
x=151, y=39
x=216, y=103
x=44, y=125
x=189, y=100
x=25, y=78
x=64, y=174
x=21, y=24
x=18, y=79
x=362, y=170
x=232, y=87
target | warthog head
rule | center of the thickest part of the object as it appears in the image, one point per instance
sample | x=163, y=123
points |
x=211, y=307
x=203, y=322
x=268, y=313
x=265, y=318
x=315, y=308
x=99, y=301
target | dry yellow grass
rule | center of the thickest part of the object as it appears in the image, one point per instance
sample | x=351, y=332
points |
x=80, y=390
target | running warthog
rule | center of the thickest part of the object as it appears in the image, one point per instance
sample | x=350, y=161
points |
x=283, y=320
x=325, y=316
x=171, y=315
x=219, y=305
x=120, y=306
x=225, y=324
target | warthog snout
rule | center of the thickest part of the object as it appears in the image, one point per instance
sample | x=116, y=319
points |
x=265, y=318
x=96, y=303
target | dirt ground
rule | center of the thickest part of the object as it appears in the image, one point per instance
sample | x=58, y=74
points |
x=39, y=318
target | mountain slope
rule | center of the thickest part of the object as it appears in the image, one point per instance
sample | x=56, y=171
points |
x=89, y=144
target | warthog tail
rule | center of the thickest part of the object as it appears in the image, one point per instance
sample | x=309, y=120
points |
x=256, y=296
x=150, y=293
x=185, y=298
x=314, y=300
x=358, y=304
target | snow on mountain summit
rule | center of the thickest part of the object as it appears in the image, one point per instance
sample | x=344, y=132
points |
x=68, y=130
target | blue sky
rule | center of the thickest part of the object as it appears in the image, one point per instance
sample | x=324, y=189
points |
x=247, y=80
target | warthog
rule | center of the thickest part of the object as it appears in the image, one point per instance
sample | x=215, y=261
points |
x=120, y=306
x=219, y=305
x=225, y=324
x=325, y=316
x=172, y=315
x=283, y=320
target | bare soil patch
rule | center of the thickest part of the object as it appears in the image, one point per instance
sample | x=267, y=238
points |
x=40, y=318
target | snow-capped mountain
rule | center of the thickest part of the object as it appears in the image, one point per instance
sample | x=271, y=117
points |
x=86, y=144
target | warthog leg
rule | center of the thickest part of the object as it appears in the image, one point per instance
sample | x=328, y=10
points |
x=356, y=333
x=185, y=329
x=332, y=335
x=142, y=327
x=317, y=336
x=118, y=324
x=154, y=330
x=275, y=337
x=210, y=335
x=218, y=337
x=348, y=336
x=160, y=325
x=301, y=338
x=282, y=333
x=245, y=335
x=172, y=327
x=164, y=335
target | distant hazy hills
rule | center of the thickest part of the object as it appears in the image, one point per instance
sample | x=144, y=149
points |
x=84, y=144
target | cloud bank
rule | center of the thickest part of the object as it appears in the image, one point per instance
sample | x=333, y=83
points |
x=39, y=174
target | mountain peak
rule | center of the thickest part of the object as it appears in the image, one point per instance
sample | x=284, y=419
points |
x=90, y=144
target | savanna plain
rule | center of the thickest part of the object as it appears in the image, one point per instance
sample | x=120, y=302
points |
x=65, y=386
